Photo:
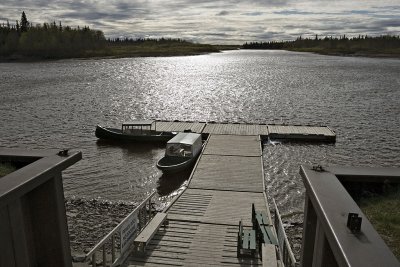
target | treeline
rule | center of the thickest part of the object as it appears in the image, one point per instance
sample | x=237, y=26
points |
x=49, y=40
x=381, y=44
x=132, y=41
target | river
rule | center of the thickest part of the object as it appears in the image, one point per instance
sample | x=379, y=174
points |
x=58, y=104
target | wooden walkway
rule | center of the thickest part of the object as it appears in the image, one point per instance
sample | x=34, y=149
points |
x=203, y=221
x=287, y=132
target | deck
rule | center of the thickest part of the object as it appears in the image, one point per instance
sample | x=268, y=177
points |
x=272, y=131
x=203, y=221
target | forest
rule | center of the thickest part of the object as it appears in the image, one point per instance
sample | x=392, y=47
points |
x=362, y=44
x=49, y=40
x=25, y=41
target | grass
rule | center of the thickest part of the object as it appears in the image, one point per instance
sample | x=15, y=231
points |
x=384, y=214
x=6, y=168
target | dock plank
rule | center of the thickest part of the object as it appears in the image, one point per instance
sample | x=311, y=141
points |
x=225, y=207
x=178, y=126
x=233, y=145
x=236, y=129
x=233, y=173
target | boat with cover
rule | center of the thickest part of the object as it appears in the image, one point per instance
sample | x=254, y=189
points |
x=181, y=152
x=137, y=131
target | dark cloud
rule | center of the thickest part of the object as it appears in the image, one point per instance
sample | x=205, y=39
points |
x=223, y=13
x=388, y=23
x=256, y=13
x=294, y=12
x=362, y=12
x=95, y=15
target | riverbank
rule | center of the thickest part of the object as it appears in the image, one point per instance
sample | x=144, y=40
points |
x=90, y=220
x=348, y=53
x=132, y=50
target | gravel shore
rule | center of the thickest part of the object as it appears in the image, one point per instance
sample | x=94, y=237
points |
x=90, y=220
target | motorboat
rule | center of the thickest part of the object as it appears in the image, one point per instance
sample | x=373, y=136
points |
x=181, y=152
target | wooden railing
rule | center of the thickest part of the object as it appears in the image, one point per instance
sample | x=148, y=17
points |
x=143, y=215
x=285, y=251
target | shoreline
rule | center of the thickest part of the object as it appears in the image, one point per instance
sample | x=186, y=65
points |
x=39, y=60
x=346, y=54
x=114, y=54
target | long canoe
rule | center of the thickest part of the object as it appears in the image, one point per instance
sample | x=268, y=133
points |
x=142, y=136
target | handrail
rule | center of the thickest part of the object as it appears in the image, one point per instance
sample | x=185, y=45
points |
x=329, y=235
x=110, y=235
x=285, y=251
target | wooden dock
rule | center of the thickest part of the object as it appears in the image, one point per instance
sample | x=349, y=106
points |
x=265, y=131
x=227, y=179
x=203, y=221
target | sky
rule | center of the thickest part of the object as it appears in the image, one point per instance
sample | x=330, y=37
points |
x=215, y=21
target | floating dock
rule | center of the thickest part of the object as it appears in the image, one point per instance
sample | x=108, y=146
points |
x=265, y=131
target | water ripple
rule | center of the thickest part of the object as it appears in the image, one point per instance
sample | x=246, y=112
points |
x=58, y=104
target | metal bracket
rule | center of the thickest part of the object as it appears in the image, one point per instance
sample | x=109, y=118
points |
x=63, y=153
x=318, y=168
x=354, y=222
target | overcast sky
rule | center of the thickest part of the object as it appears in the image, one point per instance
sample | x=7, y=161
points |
x=215, y=21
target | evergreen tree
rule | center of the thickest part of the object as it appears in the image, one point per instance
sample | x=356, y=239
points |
x=24, y=22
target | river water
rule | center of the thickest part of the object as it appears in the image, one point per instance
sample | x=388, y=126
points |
x=58, y=104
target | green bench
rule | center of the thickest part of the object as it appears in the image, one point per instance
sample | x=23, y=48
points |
x=262, y=227
x=246, y=242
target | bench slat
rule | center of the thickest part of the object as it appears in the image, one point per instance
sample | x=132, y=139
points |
x=249, y=239
x=149, y=231
x=268, y=235
x=262, y=218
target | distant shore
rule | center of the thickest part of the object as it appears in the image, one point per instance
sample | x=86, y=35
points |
x=134, y=50
x=346, y=53
x=130, y=52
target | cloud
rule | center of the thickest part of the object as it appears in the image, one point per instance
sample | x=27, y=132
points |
x=223, y=13
x=215, y=21
x=253, y=13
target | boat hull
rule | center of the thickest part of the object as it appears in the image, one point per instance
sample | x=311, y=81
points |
x=175, y=164
x=118, y=135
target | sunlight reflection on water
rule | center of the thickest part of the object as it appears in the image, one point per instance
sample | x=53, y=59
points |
x=58, y=104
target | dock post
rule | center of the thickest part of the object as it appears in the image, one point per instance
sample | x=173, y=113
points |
x=149, y=214
x=112, y=249
x=94, y=259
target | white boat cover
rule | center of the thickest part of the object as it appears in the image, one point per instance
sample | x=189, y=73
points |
x=185, y=138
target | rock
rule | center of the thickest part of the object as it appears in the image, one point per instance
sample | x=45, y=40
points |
x=298, y=236
x=79, y=258
x=70, y=214
x=296, y=246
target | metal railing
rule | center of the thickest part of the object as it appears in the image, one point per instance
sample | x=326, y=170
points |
x=336, y=232
x=143, y=213
x=285, y=251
